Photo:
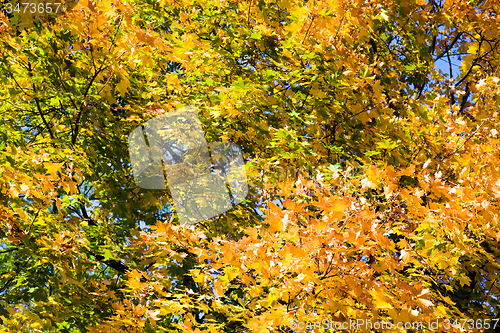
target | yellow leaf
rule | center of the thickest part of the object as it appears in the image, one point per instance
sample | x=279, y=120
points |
x=123, y=86
x=133, y=118
x=316, y=92
x=275, y=224
x=52, y=168
x=212, y=329
x=72, y=187
x=380, y=300
x=496, y=189
x=337, y=206
x=218, y=289
x=117, y=306
x=107, y=94
x=425, y=302
x=363, y=117
x=133, y=283
x=232, y=272
x=464, y=280
x=232, y=111
x=146, y=60
x=408, y=171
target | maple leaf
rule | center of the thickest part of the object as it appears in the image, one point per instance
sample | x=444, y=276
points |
x=123, y=86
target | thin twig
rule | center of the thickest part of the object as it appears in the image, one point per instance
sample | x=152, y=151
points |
x=460, y=147
x=77, y=123
x=248, y=15
x=38, y=106
x=307, y=32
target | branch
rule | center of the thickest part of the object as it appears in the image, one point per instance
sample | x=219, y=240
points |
x=310, y=25
x=116, y=265
x=9, y=250
x=249, y=10
x=6, y=284
x=460, y=147
x=449, y=47
x=37, y=102
x=472, y=64
x=83, y=103
x=465, y=98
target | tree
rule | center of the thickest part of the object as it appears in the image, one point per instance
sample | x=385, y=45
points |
x=373, y=175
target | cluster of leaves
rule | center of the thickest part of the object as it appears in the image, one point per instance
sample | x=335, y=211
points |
x=398, y=219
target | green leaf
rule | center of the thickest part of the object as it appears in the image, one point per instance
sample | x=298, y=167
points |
x=256, y=35
x=282, y=134
x=423, y=113
x=108, y=254
x=240, y=84
x=334, y=167
x=387, y=144
x=372, y=153
x=410, y=67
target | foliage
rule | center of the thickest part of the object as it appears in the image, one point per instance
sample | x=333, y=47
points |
x=374, y=176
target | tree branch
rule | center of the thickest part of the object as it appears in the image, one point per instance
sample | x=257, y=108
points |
x=96, y=74
x=38, y=107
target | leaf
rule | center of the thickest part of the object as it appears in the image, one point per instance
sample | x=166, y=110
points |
x=52, y=168
x=464, y=280
x=410, y=67
x=256, y=35
x=123, y=86
x=425, y=302
x=108, y=254
x=334, y=168
x=240, y=84
x=387, y=144
x=372, y=153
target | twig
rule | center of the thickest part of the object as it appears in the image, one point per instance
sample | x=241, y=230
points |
x=307, y=32
x=79, y=116
x=248, y=15
x=38, y=107
x=457, y=149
